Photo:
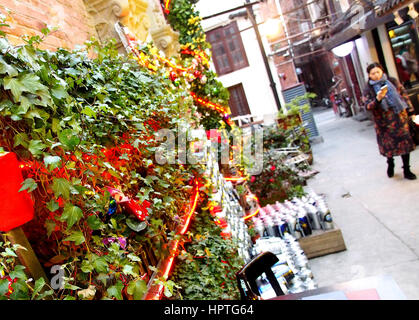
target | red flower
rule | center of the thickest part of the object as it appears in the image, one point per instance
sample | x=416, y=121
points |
x=173, y=76
x=253, y=179
x=271, y=180
x=60, y=202
x=273, y=168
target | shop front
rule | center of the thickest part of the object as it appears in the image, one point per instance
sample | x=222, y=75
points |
x=403, y=37
x=387, y=35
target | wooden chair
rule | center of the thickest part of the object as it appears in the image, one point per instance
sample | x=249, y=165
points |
x=247, y=276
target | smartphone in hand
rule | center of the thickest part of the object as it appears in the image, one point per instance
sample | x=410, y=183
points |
x=384, y=89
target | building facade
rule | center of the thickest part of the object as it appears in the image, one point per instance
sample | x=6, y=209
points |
x=74, y=22
x=238, y=60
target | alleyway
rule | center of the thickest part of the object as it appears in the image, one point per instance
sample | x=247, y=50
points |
x=378, y=216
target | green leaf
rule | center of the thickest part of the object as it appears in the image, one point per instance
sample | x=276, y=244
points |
x=100, y=265
x=59, y=92
x=94, y=222
x=116, y=290
x=168, y=200
x=4, y=287
x=45, y=294
x=24, y=106
x=7, y=68
x=136, y=225
x=52, y=205
x=55, y=126
x=69, y=139
x=36, y=147
x=32, y=83
x=133, y=258
x=14, y=85
x=29, y=184
x=61, y=187
x=52, y=160
x=137, y=289
x=18, y=273
x=50, y=226
x=86, y=266
x=6, y=105
x=39, y=284
x=71, y=214
x=21, y=139
x=77, y=237
x=71, y=287
x=8, y=253
x=20, y=290
x=89, y=112
x=129, y=270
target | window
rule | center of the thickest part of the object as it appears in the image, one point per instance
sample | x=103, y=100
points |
x=238, y=102
x=227, y=49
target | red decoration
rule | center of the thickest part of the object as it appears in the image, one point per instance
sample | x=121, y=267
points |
x=156, y=292
x=214, y=210
x=11, y=281
x=197, y=74
x=221, y=222
x=166, y=6
x=208, y=104
x=139, y=211
x=16, y=208
x=235, y=179
x=173, y=76
x=129, y=205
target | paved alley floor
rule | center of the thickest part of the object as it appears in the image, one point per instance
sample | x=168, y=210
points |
x=378, y=216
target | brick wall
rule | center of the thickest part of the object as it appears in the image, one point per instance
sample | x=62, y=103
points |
x=31, y=16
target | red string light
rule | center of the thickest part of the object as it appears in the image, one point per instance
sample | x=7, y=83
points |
x=192, y=210
x=171, y=259
x=235, y=179
x=166, y=6
x=157, y=291
x=208, y=104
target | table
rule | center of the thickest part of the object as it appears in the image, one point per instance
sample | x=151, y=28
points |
x=373, y=288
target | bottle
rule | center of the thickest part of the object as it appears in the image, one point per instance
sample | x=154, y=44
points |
x=313, y=217
x=304, y=223
x=325, y=217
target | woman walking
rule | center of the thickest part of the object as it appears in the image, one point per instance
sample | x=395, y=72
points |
x=388, y=101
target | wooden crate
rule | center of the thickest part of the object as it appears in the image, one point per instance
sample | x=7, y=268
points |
x=321, y=243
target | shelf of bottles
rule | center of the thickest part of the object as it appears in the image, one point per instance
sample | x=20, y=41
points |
x=226, y=208
x=279, y=226
x=292, y=269
x=298, y=217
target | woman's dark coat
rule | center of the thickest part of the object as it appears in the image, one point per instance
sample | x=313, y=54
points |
x=393, y=135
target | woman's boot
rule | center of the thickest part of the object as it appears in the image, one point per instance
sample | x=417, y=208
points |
x=390, y=168
x=406, y=167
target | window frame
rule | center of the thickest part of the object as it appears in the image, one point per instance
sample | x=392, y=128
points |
x=224, y=41
x=240, y=88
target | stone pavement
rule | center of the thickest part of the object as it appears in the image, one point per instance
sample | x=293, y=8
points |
x=378, y=216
